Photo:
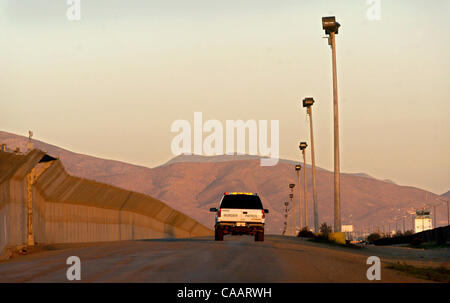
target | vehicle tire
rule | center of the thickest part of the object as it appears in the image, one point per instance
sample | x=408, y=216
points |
x=259, y=236
x=218, y=236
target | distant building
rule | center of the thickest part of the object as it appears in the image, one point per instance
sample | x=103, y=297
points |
x=347, y=228
x=422, y=221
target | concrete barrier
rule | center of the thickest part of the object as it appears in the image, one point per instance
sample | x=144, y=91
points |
x=41, y=203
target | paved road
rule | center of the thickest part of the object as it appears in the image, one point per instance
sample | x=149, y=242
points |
x=237, y=259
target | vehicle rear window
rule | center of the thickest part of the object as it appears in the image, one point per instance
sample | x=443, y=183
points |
x=241, y=201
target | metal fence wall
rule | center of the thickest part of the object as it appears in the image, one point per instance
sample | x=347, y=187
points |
x=439, y=235
x=70, y=209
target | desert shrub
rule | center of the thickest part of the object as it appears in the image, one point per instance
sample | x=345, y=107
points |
x=373, y=236
x=398, y=233
x=325, y=229
x=408, y=233
x=306, y=233
x=416, y=242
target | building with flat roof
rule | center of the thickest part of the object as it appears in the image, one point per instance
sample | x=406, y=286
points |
x=422, y=221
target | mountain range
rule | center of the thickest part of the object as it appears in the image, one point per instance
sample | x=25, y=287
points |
x=193, y=184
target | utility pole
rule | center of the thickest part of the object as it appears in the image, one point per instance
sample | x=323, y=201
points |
x=286, y=218
x=331, y=28
x=291, y=197
x=435, y=216
x=308, y=102
x=448, y=215
x=298, y=168
x=303, y=146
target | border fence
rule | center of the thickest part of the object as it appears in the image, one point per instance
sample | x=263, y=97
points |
x=440, y=235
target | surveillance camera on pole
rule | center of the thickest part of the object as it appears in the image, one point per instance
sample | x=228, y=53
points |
x=331, y=28
x=303, y=146
x=308, y=103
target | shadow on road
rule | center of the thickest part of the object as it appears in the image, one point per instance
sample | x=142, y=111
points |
x=202, y=239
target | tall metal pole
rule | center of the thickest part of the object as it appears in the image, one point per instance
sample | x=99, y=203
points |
x=305, y=185
x=448, y=215
x=297, y=169
x=337, y=191
x=404, y=226
x=435, y=216
x=286, y=229
x=288, y=219
x=291, y=197
x=313, y=163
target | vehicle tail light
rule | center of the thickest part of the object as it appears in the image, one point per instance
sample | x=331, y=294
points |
x=219, y=212
x=263, y=214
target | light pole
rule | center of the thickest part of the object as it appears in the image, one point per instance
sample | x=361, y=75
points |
x=413, y=223
x=302, y=147
x=286, y=218
x=298, y=167
x=448, y=215
x=308, y=102
x=291, y=197
x=435, y=216
x=331, y=28
x=445, y=200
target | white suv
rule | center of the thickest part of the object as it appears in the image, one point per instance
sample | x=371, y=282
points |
x=239, y=214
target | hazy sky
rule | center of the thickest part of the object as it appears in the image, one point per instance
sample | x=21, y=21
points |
x=111, y=84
